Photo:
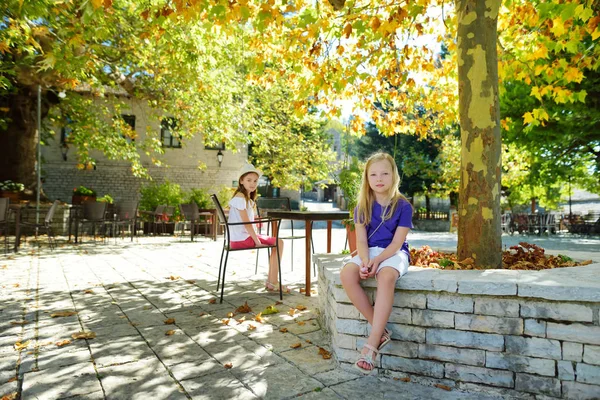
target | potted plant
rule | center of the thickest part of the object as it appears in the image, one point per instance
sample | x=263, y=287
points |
x=349, y=182
x=81, y=194
x=12, y=190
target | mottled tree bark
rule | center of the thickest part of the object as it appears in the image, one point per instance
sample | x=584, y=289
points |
x=479, y=231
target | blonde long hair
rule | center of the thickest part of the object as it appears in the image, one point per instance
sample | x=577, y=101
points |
x=366, y=198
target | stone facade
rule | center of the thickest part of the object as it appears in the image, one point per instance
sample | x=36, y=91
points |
x=476, y=330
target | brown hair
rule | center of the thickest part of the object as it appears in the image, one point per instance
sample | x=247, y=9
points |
x=241, y=189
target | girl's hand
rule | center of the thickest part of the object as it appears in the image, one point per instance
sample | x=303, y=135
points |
x=363, y=273
x=373, y=265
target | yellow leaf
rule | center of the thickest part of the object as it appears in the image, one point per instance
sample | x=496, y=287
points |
x=573, y=75
x=348, y=30
x=97, y=3
x=596, y=34
x=300, y=307
x=169, y=332
x=83, y=335
x=340, y=50
x=527, y=118
x=20, y=346
x=63, y=343
x=251, y=327
x=63, y=314
x=558, y=27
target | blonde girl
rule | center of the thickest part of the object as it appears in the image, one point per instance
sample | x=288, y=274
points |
x=383, y=218
x=241, y=209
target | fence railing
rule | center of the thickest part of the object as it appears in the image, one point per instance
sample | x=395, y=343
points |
x=435, y=215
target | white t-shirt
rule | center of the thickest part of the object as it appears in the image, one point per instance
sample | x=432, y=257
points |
x=238, y=232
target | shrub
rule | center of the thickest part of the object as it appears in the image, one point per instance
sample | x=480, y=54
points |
x=83, y=191
x=11, y=186
x=200, y=197
x=153, y=195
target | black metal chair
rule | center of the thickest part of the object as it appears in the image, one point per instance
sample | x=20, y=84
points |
x=94, y=213
x=191, y=215
x=126, y=215
x=266, y=204
x=46, y=225
x=227, y=245
x=4, y=225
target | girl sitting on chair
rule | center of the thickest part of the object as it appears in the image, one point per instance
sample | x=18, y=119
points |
x=241, y=209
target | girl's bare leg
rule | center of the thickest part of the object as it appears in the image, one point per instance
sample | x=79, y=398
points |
x=273, y=266
x=358, y=297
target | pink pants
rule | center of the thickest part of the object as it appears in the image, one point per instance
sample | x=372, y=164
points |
x=249, y=242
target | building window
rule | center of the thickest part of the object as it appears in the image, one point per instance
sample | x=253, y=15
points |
x=220, y=146
x=129, y=121
x=168, y=137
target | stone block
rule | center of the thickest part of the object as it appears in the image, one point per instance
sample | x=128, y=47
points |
x=488, y=324
x=479, y=375
x=421, y=367
x=400, y=315
x=574, y=333
x=351, y=327
x=537, y=384
x=452, y=354
x=451, y=337
x=572, y=351
x=566, y=372
x=497, y=307
x=407, y=332
x=498, y=286
x=448, y=302
x=556, y=311
x=405, y=299
x=580, y=391
x=339, y=294
x=344, y=341
x=347, y=311
x=345, y=355
x=534, y=347
x=398, y=348
x=534, y=327
x=518, y=363
x=588, y=374
x=591, y=354
x=437, y=319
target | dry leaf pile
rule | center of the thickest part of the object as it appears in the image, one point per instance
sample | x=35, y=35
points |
x=324, y=353
x=524, y=256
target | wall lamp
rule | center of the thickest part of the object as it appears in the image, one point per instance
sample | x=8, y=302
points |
x=220, y=157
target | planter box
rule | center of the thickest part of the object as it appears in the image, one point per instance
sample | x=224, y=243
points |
x=13, y=196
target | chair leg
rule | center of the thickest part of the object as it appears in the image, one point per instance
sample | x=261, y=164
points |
x=223, y=282
x=279, y=265
x=256, y=266
x=220, y=266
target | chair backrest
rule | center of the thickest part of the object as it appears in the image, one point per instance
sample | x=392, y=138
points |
x=189, y=211
x=127, y=210
x=220, y=211
x=4, y=203
x=94, y=211
x=264, y=204
x=51, y=211
x=168, y=211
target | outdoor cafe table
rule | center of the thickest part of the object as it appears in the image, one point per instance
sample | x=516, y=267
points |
x=309, y=217
x=16, y=208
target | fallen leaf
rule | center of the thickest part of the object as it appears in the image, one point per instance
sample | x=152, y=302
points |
x=308, y=341
x=14, y=378
x=4, y=267
x=63, y=314
x=173, y=278
x=270, y=310
x=439, y=385
x=301, y=323
x=283, y=330
x=240, y=320
x=147, y=307
x=212, y=301
x=20, y=346
x=230, y=315
x=191, y=281
x=243, y=309
x=11, y=396
x=89, y=291
x=278, y=302
x=586, y=262
x=405, y=379
x=170, y=332
x=83, y=335
x=134, y=323
x=300, y=307
x=202, y=314
x=169, y=321
x=302, y=290
x=228, y=365
x=292, y=312
x=313, y=291
x=259, y=318
x=63, y=343
x=17, y=285
x=19, y=322
x=251, y=327
x=225, y=321
x=296, y=345
x=324, y=353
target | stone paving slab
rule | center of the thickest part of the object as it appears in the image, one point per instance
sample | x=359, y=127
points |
x=124, y=292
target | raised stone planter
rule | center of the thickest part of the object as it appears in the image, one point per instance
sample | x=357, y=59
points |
x=530, y=334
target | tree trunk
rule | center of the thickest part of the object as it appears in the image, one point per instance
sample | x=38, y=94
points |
x=428, y=205
x=18, y=142
x=479, y=230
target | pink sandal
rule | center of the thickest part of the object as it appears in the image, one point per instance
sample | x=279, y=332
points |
x=387, y=337
x=367, y=359
x=269, y=287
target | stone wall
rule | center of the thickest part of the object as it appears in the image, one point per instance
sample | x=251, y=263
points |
x=513, y=333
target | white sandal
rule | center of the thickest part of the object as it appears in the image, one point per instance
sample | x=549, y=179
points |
x=368, y=359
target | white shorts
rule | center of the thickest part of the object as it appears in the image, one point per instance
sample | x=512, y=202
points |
x=398, y=261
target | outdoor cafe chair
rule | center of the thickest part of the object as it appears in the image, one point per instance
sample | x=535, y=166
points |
x=126, y=215
x=46, y=225
x=227, y=246
x=94, y=213
x=4, y=203
x=191, y=215
x=263, y=206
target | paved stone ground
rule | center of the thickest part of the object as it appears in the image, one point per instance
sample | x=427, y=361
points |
x=125, y=292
